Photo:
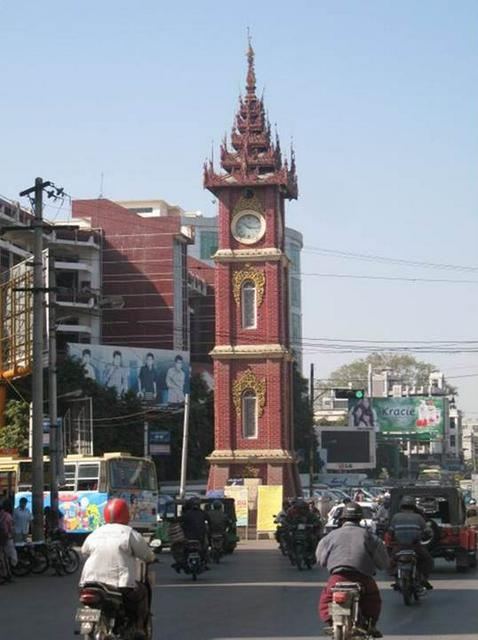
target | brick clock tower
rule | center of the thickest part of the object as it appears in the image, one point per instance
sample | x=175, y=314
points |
x=252, y=356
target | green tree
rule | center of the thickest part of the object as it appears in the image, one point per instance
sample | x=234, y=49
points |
x=303, y=419
x=15, y=433
x=405, y=369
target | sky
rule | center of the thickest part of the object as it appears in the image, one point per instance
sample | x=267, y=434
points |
x=379, y=97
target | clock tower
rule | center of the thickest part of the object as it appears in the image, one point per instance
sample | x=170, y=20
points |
x=252, y=356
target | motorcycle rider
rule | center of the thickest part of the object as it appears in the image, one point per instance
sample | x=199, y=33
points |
x=218, y=521
x=194, y=523
x=112, y=552
x=300, y=513
x=407, y=528
x=353, y=554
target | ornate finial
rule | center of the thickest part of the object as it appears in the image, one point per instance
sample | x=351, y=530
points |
x=251, y=76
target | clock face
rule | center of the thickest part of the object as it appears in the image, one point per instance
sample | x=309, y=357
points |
x=248, y=227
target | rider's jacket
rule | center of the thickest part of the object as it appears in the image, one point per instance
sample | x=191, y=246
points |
x=352, y=547
x=194, y=524
x=112, y=552
x=407, y=527
x=218, y=522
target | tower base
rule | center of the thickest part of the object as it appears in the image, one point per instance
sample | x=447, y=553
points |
x=273, y=467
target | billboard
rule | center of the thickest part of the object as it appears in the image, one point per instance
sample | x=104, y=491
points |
x=347, y=448
x=416, y=416
x=160, y=378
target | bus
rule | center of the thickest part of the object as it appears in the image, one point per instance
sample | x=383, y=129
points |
x=89, y=481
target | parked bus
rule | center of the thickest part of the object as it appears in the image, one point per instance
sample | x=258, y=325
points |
x=89, y=482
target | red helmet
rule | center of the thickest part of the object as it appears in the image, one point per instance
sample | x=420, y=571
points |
x=116, y=511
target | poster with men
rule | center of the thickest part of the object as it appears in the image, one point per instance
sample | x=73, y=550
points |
x=157, y=376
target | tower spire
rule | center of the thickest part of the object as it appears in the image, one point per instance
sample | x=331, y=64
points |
x=251, y=74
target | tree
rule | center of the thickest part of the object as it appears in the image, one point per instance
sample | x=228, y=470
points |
x=15, y=433
x=404, y=369
x=303, y=418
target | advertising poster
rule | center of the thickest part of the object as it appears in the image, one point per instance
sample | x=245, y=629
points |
x=362, y=414
x=160, y=378
x=240, y=495
x=269, y=504
x=419, y=417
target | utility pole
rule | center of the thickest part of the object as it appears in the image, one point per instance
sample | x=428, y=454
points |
x=37, y=356
x=312, y=447
x=55, y=433
x=184, y=452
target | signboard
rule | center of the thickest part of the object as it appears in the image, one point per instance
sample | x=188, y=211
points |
x=348, y=449
x=417, y=417
x=241, y=497
x=160, y=378
x=361, y=414
x=269, y=504
x=160, y=443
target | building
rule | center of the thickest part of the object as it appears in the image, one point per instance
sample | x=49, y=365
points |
x=144, y=273
x=252, y=355
x=470, y=442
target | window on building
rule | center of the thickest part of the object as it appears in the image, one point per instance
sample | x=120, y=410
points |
x=452, y=441
x=209, y=244
x=249, y=305
x=296, y=328
x=249, y=414
x=452, y=423
x=295, y=292
x=293, y=253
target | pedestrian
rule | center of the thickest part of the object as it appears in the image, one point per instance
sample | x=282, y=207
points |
x=6, y=532
x=22, y=518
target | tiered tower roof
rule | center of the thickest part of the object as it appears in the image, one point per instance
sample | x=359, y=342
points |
x=252, y=158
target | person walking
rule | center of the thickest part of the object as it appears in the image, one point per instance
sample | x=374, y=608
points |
x=22, y=517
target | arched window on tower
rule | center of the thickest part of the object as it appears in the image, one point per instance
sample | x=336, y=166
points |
x=249, y=414
x=249, y=304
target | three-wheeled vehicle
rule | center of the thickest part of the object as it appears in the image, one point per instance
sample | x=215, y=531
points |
x=174, y=512
x=444, y=510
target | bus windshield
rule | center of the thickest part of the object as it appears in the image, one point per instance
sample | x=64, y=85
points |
x=132, y=474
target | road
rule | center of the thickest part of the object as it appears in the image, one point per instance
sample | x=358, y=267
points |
x=253, y=595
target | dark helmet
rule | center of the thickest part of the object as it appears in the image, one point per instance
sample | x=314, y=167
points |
x=217, y=505
x=407, y=502
x=352, y=512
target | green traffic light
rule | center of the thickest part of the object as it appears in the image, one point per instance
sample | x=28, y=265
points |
x=359, y=394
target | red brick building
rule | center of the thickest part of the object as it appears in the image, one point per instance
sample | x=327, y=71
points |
x=252, y=356
x=144, y=296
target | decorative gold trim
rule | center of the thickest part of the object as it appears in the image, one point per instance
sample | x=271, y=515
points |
x=245, y=381
x=253, y=204
x=244, y=456
x=251, y=255
x=249, y=273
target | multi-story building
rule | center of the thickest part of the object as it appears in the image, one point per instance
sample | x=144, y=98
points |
x=206, y=244
x=144, y=297
x=470, y=442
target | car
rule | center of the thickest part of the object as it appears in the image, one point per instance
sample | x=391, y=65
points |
x=369, y=511
x=444, y=510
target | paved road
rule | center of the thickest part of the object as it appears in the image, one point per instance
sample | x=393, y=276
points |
x=253, y=595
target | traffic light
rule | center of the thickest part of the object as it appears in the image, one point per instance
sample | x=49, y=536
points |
x=349, y=394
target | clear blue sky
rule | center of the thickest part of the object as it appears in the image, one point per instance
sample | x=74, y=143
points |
x=380, y=97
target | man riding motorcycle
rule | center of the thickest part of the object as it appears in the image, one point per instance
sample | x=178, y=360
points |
x=353, y=554
x=194, y=524
x=217, y=520
x=112, y=552
x=407, y=528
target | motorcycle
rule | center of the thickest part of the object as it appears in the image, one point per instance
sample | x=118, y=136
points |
x=347, y=621
x=409, y=580
x=300, y=546
x=103, y=613
x=281, y=535
x=217, y=547
x=194, y=564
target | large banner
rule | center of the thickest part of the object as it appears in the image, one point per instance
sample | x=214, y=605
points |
x=159, y=377
x=241, y=497
x=269, y=504
x=419, y=417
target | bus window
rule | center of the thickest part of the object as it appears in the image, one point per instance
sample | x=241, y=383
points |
x=25, y=479
x=70, y=477
x=88, y=476
x=132, y=474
